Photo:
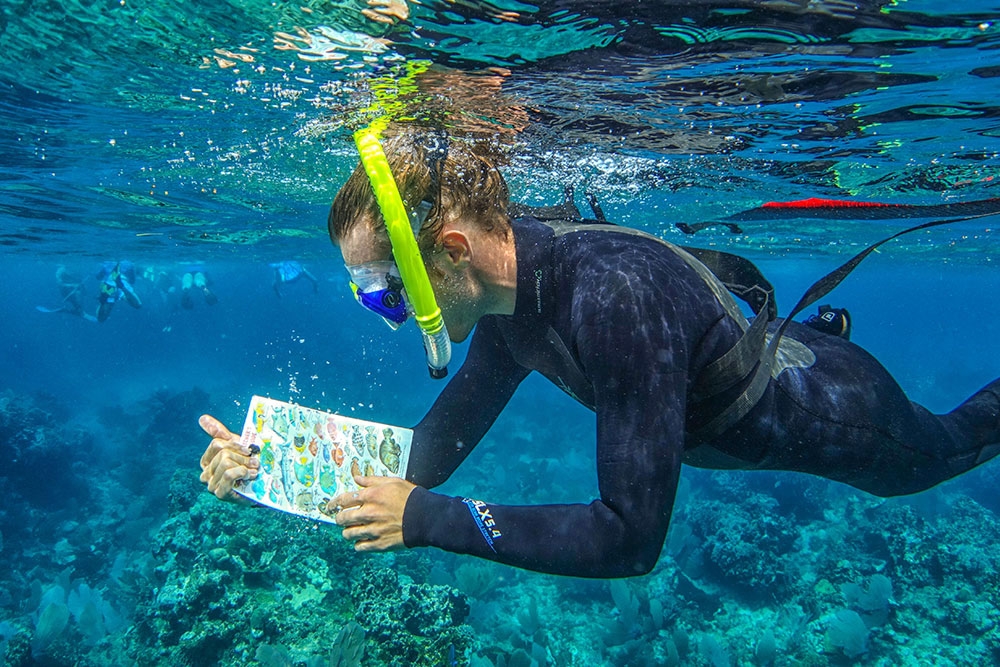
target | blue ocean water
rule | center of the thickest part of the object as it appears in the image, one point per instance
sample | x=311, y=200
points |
x=214, y=137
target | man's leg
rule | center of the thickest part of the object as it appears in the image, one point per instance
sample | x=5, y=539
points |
x=846, y=418
x=974, y=423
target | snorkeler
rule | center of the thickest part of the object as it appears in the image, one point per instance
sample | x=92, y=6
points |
x=115, y=281
x=633, y=328
x=194, y=279
x=72, y=292
x=288, y=272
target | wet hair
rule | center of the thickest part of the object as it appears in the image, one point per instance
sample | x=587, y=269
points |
x=460, y=179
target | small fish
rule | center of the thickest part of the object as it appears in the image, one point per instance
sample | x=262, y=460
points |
x=287, y=477
x=304, y=472
x=357, y=439
x=389, y=451
x=304, y=501
x=258, y=488
x=267, y=458
x=327, y=480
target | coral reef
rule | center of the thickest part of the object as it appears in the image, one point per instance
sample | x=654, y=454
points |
x=36, y=443
x=231, y=579
x=140, y=566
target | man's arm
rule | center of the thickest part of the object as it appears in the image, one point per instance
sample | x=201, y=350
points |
x=466, y=409
x=640, y=380
x=621, y=534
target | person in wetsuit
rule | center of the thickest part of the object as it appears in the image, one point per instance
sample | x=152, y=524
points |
x=115, y=282
x=625, y=324
x=288, y=272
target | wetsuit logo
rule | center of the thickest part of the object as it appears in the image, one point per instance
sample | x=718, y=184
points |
x=484, y=519
x=538, y=290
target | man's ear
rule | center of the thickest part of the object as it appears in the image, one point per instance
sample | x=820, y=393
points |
x=457, y=247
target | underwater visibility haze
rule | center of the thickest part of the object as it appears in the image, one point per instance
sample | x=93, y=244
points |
x=199, y=145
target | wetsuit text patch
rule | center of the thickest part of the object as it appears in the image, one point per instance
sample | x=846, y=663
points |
x=484, y=519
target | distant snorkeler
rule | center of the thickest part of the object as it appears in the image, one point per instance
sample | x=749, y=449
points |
x=73, y=293
x=638, y=330
x=194, y=279
x=115, y=282
x=291, y=271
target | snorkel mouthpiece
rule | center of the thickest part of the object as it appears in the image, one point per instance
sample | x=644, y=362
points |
x=402, y=236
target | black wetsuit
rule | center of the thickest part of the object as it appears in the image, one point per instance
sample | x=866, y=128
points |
x=624, y=324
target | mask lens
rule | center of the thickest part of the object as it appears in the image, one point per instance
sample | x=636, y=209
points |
x=378, y=288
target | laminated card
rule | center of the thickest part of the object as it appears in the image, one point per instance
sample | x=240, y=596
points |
x=308, y=456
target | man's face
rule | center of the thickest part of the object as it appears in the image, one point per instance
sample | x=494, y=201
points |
x=450, y=286
x=360, y=246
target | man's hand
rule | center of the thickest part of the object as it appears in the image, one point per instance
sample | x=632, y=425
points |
x=226, y=460
x=373, y=515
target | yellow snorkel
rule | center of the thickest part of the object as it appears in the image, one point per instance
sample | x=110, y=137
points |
x=402, y=236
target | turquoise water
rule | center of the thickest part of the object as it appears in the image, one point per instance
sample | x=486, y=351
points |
x=182, y=136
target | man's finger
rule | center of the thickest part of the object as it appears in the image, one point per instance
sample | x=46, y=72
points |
x=225, y=478
x=212, y=453
x=371, y=480
x=218, y=446
x=215, y=428
x=342, y=500
x=381, y=544
x=353, y=518
x=228, y=458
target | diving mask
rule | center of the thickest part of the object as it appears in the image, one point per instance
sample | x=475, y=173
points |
x=378, y=287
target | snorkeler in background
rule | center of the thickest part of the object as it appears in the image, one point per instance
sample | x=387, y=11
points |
x=183, y=281
x=73, y=292
x=115, y=282
x=291, y=271
x=194, y=279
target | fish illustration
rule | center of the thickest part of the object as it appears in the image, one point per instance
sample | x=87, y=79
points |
x=267, y=458
x=287, y=478
x=389, y=451
x=371, y=440
x=327, y=480
x=304, y=473
x=280, y=420
x=357, y=439
x=304, y=501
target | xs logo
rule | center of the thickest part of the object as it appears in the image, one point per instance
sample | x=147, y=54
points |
x=484, y=519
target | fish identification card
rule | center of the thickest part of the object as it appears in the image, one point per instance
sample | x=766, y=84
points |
x=308, y=456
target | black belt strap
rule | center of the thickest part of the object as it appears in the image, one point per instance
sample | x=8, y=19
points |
x=765, y=356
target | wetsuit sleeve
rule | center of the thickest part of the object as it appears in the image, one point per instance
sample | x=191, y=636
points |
x=466, y=409
x=640, y=382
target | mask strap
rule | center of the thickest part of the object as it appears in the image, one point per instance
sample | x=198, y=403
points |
x=437, y=147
